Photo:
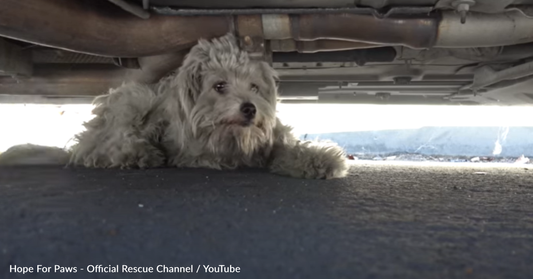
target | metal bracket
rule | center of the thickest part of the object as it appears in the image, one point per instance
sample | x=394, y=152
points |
x=486, y=76
x=249, y=30
x=133, y=9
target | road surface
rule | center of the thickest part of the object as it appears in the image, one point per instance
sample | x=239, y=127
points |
x=386, y=220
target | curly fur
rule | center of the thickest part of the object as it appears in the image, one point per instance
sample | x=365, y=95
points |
x=183, y=121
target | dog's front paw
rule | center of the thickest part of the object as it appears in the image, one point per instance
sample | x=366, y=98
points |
x=312, y=160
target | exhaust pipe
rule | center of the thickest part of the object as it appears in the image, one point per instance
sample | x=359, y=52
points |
x=101, y=28
x=438, y=30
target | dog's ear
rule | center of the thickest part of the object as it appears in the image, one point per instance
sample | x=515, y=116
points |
x=271, y=79
x=189, y=78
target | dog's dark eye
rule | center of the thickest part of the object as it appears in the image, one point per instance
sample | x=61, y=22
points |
x=220, y=87
x=255, y=88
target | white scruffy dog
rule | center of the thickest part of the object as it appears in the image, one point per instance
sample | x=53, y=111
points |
x=218, y=111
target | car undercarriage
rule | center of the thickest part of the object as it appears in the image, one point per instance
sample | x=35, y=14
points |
x=445, y=52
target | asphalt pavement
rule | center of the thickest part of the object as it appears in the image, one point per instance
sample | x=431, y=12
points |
x=385, y=220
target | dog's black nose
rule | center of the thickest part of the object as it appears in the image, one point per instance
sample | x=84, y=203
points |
x=248, y=109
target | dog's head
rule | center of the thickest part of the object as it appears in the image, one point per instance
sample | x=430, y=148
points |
x=228, y=98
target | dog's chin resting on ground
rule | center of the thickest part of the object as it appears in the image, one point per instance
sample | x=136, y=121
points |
x=218, y=111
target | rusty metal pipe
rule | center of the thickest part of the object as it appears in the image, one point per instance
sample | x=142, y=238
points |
x=316, y=46
x=416, y=32
x=423, y=31
x=484, y=30
x=101, y=28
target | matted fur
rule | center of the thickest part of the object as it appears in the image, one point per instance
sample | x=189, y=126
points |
x=183, y=121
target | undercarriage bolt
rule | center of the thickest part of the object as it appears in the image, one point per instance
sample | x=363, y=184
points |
x=462, y=7
x=248, y=41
